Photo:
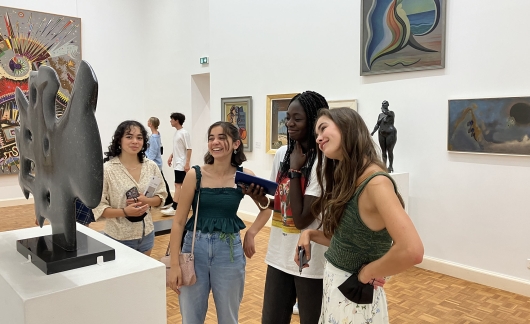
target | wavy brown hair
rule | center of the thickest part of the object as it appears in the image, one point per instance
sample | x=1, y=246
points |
x=231, y=131
x=337, y=179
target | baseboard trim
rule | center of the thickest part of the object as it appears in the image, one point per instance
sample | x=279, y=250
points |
x=15, y=202
x=483, y=277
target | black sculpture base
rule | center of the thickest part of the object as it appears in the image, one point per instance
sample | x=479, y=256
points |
x=51, y=258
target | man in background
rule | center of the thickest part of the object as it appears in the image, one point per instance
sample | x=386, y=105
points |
x=180, y=158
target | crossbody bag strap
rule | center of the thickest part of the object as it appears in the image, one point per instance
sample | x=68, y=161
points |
x=195, y=223
x=198, y=189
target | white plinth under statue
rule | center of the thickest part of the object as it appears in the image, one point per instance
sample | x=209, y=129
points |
x=402, y=182
x=130, y=289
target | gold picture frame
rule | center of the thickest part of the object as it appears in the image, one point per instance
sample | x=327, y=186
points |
x=350, y=103
x=276, y=133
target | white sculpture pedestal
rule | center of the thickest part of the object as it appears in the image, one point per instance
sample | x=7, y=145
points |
x=402, y=182
x=130, y=289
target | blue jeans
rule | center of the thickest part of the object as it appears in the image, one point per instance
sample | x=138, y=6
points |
x=220, y=267
x=142, y=244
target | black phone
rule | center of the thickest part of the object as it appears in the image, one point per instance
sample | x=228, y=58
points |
x=132, y=193
x=302, y=259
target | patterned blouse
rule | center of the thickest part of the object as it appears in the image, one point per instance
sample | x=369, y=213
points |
x=117, y=180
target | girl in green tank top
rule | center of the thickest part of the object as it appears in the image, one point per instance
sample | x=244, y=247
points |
x=369, y=234
x=217, y=248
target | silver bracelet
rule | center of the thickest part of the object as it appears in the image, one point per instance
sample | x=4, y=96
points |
x=266, y=205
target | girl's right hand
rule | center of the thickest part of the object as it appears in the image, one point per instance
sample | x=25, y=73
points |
x=175, y=279
x=305, y=242
x=136, y=209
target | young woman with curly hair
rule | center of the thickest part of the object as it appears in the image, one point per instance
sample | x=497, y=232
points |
x=128, y=220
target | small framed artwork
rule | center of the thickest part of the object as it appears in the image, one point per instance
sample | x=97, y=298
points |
x=276, y=129
x=399, y=36
x=352, y=104
x=238, y=111
x=492, y=125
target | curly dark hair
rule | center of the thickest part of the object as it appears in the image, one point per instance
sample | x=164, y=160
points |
x=231, y=131
x=115, y=147
x=312, y=102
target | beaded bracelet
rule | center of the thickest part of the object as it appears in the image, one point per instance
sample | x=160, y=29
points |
x=293, y=170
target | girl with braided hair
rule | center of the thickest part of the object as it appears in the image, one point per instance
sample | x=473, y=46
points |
x=294, y=170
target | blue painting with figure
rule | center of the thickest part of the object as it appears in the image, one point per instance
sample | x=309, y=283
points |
x=497, y=125
x=402, y=35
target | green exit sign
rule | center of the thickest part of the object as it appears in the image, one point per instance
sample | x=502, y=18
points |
x=204, y=60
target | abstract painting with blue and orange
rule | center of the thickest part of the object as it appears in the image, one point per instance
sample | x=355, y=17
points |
x=402, y=35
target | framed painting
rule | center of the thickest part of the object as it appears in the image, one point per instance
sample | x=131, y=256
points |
x=238, y=111
x=495, y=125
x=276, y=129
x=29, y=39
x=352, y=104
x=402, y=35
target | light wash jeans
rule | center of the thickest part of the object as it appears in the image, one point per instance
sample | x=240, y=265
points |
x=219, y=268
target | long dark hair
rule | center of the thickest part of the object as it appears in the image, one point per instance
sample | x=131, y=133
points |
x=338, y=179
x=121, y=130
x=233, y=132
x=312, y=102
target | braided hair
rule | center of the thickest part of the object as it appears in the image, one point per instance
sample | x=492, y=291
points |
x=312, y=102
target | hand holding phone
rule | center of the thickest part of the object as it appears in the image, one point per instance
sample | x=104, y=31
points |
x=133, y=194
x=302, y=258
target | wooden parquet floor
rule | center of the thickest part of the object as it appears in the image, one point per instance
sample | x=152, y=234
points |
x=415, y=296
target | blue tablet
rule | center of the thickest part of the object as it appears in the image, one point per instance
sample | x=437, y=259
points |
x=247, y=179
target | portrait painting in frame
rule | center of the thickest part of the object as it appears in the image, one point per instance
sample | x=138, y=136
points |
x=238, y=111
x=493, y=125
x=276, y=118
x=29, y=39
x=402, y=35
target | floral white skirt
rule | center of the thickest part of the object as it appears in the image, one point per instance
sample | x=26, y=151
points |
x=337, y=309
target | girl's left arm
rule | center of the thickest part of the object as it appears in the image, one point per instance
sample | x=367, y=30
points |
x=407, y=248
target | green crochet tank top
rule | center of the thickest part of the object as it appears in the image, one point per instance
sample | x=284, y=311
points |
x=217, y=208
x=353, y=244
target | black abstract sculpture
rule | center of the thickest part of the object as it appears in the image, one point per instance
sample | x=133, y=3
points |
x=387, y=134
x=60, y=160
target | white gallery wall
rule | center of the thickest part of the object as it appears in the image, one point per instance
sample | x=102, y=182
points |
x=470, y=210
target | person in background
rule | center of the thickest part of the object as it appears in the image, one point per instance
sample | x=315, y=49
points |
x=127, y=172
x=294, y=169
x=369, y=234
x=180, y=158
x=219, y=258
x=154, y=153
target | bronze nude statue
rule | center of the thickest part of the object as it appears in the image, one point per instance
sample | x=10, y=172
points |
x=387, y=134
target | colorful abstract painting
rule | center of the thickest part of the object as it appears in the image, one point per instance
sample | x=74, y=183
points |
x=499, y=125
x=402, y=35
x=238, y=111
x=29, y=39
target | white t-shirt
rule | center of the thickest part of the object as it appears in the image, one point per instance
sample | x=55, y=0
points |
x=181, y=143
x=284, y=235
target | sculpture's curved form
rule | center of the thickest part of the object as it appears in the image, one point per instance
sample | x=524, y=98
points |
x=60, y=159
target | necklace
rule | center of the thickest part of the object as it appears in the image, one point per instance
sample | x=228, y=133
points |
x=131, y=169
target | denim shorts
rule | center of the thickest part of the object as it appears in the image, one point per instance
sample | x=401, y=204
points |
x=143, y=244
